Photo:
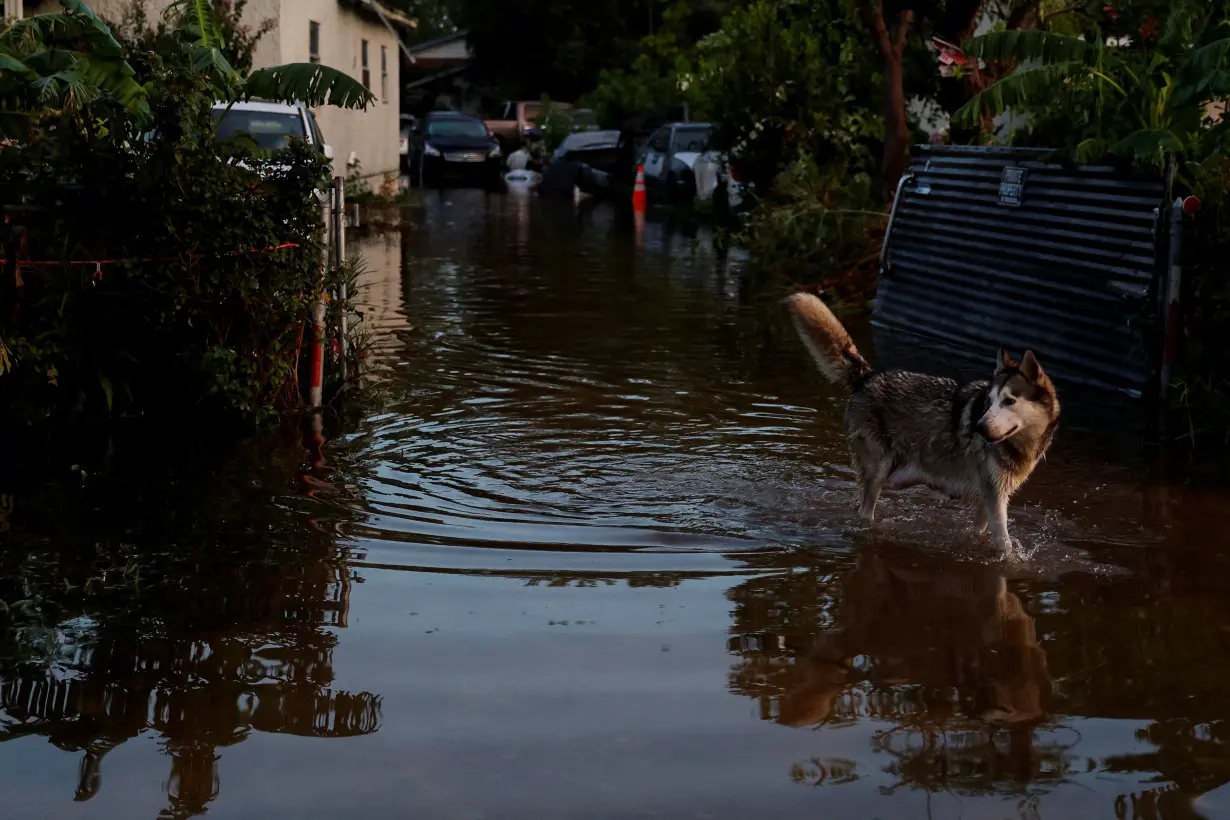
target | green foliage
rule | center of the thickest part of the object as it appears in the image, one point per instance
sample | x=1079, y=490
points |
x=312, y=84
x=62, y=61
x=556, y=122
x=782, y=81
x=1127, y=87
x=657, y=78
x=187, y=316
x=816, y=228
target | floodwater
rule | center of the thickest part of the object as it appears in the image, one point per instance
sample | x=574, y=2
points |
x=596, y=557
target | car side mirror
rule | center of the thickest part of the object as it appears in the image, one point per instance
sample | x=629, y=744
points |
x=327, y=150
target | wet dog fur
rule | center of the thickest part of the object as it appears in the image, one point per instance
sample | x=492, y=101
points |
x=979, y=441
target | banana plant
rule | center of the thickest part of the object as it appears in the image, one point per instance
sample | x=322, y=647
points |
x=62, y=61
x=1141, y=96
x=310, y=83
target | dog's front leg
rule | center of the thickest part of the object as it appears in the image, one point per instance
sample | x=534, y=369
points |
x=995, y=513
x=980, y=519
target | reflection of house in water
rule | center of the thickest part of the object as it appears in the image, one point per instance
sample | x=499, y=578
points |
x=272, y=672
x=379, y=296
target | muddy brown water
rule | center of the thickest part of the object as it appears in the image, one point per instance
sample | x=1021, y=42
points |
x=597, y=558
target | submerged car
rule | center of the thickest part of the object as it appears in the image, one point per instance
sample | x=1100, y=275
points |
x=452, y=145
x=680, y=166
x=598, y=149
x=586, y=160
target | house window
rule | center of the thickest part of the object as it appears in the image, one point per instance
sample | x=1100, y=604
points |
x=314, y=41
x=384, y=73
x=367, y=72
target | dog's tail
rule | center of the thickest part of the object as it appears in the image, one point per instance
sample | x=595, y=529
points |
x=827, y=341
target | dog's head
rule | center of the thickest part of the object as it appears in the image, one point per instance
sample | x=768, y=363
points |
x=1021, y=399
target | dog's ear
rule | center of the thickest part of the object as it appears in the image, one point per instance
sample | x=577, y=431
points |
x=1030, y=368
x=1004, y=362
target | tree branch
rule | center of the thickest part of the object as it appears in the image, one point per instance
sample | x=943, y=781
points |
x=904, y=19
x=1060, y=12
x=873, y=15
x=1024, y=16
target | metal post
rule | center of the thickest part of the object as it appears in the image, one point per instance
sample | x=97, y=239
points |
x=892, y=216
x=339, y=259
x=1174, y=282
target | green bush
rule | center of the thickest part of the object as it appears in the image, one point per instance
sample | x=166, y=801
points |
x=656, y=80
x=815, y=228
x=191, y=311
x=783, y=81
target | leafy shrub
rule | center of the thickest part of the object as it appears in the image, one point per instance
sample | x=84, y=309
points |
x=192, y=311
x=655, y=80
x=781, y=81
x=815, y=228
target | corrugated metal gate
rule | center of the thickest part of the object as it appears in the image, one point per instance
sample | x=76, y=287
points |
x=996, y=246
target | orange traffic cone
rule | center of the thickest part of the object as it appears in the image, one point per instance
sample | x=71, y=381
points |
x=639, y=199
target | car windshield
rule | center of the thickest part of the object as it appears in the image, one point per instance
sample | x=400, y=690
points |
x=271, y=130
x=456, y=128
x=691, y=139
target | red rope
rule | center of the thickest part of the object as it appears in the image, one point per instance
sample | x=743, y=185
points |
x=192, y=256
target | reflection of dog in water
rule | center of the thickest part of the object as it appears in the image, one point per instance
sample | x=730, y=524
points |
x=940, y=626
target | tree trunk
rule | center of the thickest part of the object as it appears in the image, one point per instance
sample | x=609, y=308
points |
x=896, y=127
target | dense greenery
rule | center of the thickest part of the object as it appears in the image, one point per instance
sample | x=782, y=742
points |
x=1139, y=82
x=110, y=155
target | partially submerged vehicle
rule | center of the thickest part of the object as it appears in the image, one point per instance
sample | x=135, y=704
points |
x=588, y=161
x=681, y=167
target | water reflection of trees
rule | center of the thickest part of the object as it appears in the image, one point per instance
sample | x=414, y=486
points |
x=182, y=602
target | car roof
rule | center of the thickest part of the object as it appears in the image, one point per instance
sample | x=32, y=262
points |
x=588, y=139
x=261, y=106
x=450, y=115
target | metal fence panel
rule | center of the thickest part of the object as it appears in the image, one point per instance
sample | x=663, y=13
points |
x=997, y=246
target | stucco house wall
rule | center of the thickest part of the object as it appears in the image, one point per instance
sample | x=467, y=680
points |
x=370, y=136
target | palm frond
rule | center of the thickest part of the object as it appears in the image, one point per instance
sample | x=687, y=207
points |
x=1208, y=57
x=109, y=74
x=15, y=66
x=310, y=83
x=1151, y=145
x=81, y=30
x=1204, y=68
x=116, y=79
x=195, y=18
x=1185, y=19
x=208, y=58
x=1022, y=85
x=1027, y=45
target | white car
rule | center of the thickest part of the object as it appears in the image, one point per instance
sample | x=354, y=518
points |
x=679, y=167
x=272, y=125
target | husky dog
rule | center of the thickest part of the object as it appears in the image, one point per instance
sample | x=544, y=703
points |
x=978, y=441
